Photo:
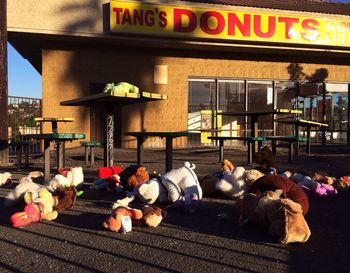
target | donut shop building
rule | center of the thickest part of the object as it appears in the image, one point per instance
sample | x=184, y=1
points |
x=206, y=56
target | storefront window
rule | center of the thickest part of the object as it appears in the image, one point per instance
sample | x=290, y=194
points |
x=231, y=99
x=261, y=98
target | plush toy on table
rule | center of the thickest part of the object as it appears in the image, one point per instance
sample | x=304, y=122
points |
x=121, y=88
x=180, y=185
x=37, y=209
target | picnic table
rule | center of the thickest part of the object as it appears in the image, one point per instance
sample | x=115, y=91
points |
x=169, y=136
x=60, y=139
x=111, y=99
x=53, y=122
x=308, y=124
x=254, y=115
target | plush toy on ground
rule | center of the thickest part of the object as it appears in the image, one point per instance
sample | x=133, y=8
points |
x=311, y=187
x=114, y=221
x=290, y=190
x=282, y=216
x=26, y=184
x=37, y=209
x=132, y=176
x=151, y=217
x=236, y=183
x=5, y=179
x=69, y=177
x=169, y=188
x=65, y=197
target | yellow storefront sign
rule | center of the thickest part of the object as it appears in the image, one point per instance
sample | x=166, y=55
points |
x=226, y=24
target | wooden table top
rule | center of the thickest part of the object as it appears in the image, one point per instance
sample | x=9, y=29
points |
x=114, y=98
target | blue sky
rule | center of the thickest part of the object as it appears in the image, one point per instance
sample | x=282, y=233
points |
x=24, y=80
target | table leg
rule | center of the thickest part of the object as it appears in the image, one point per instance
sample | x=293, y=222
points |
x=168, y=154
x=47, y=160
x=140, y=140
x=87, y=152
x=296, y=133
x=221, y=150
x=254, y=132
x=26, y=154
x=251, y=145
x=92, y=158
x=19, y=157
x=308, y=143
x=291, y=151
x=54, y=126
x=273, y=143
x=60, y=154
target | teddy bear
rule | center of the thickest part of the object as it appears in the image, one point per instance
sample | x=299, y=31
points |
x=121, y=88
x=115, y=221
x=37, y=209
x=236, y=183
x=5, y=179
x=25, y=184
x=272, y=182
x=152, y=216
x=310, y=186
x=282, y=216
x=168, y=188
x=132, y=176
x=65, y=197
x=111, y=183
x=69, y=177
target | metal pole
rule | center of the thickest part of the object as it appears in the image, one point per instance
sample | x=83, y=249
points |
x=4, y=153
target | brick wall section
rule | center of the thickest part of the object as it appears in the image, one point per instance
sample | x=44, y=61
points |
x=66, y=74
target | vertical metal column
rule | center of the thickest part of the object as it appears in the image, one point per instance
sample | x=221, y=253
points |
x=4, y=152
x=324, y=114
x=109, y=140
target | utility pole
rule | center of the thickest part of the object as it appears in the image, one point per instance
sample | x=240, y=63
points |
x=4, y=152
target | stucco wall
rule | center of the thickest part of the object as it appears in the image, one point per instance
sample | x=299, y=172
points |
x=67, y=74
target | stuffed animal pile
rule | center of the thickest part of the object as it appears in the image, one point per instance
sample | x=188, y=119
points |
x=180, y=186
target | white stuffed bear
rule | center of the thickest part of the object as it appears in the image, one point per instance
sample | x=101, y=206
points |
x=26, y=184
x=235, y=183
x=5, y=178
x=171, y=187
x=74, y=177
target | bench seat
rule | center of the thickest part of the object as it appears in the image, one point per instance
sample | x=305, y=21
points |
x=90, y=150
x=292, y=140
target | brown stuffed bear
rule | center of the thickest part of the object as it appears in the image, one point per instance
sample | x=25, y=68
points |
x=114, y=221
x=263, y=156
x=290, y=190
x=152, y=217
x=132, y=176
x=286, y=221
x=66, y=197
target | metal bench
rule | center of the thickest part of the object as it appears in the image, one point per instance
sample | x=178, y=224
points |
x=90, y=150
x=292, y=140
x=249, y=140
